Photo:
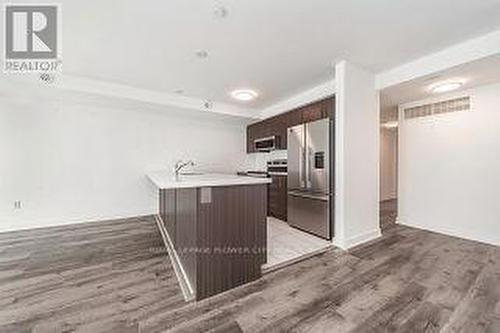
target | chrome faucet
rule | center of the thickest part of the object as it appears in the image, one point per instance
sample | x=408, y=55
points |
x=180, y=165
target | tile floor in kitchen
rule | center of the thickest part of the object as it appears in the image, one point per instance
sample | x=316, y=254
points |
x=287, y=245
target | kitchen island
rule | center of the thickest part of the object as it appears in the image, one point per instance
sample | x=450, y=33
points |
x=214, y=227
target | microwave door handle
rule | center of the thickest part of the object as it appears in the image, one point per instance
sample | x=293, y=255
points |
x=265, y=144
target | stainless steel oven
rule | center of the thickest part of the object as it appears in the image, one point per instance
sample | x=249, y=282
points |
x=266, y=144
x=277, y=168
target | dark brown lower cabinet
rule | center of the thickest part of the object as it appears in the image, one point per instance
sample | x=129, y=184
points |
x=219, y=234
x=278, y=198
x=167, y=211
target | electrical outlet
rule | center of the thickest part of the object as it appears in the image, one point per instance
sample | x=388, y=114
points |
x=17, y=204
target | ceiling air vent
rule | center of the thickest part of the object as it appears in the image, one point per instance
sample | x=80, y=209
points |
x=452, y=105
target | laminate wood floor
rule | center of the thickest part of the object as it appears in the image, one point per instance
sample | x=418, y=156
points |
x=388, y=214
x=115, y=277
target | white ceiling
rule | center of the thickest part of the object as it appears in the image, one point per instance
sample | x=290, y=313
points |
x=278, y=47
x=473, y=74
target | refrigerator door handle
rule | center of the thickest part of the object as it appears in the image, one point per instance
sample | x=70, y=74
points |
x=309, y=169
x=303, y=160
x=303, y=177
x=307, y=156
x=301, y=168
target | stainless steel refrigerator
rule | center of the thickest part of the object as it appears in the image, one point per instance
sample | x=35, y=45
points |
x=309, y=183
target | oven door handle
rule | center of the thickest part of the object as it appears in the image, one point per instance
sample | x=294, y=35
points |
x=271, y=173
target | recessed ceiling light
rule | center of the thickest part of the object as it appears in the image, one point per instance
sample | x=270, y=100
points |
x=202, y=54
x=220, y=12
x=390, y=124
x=179, y=91
x=443, y=87
x=244, y=95
x=208, y=105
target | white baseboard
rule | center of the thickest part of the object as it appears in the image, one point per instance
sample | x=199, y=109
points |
x=11, y=225
x=468, y=235
x=351, y=242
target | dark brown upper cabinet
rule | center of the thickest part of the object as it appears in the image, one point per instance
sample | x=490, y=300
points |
x=278, y=125
x=251, y=136
x=329, y=108
x=313, y=112
x=294, y=117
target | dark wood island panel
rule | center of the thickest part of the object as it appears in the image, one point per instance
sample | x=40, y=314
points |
x=218, y=233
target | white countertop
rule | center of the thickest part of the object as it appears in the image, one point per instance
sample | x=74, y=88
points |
x=166, y=180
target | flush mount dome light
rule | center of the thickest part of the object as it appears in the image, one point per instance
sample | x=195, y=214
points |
x=445, y=86
x=244, y=95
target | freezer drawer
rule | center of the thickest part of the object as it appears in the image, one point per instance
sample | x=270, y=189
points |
x=309, y=213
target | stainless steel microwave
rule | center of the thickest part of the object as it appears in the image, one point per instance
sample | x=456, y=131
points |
x=266, y=144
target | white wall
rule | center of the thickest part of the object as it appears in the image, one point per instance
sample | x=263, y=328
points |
x=357, y=156
x=388, y=163
x=70, y=161
x=449, y=176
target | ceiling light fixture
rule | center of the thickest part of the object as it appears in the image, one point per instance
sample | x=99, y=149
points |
x=208, y=105
x=443, y=87
x=220, y=12
x=201, y=54
x=244, y=95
